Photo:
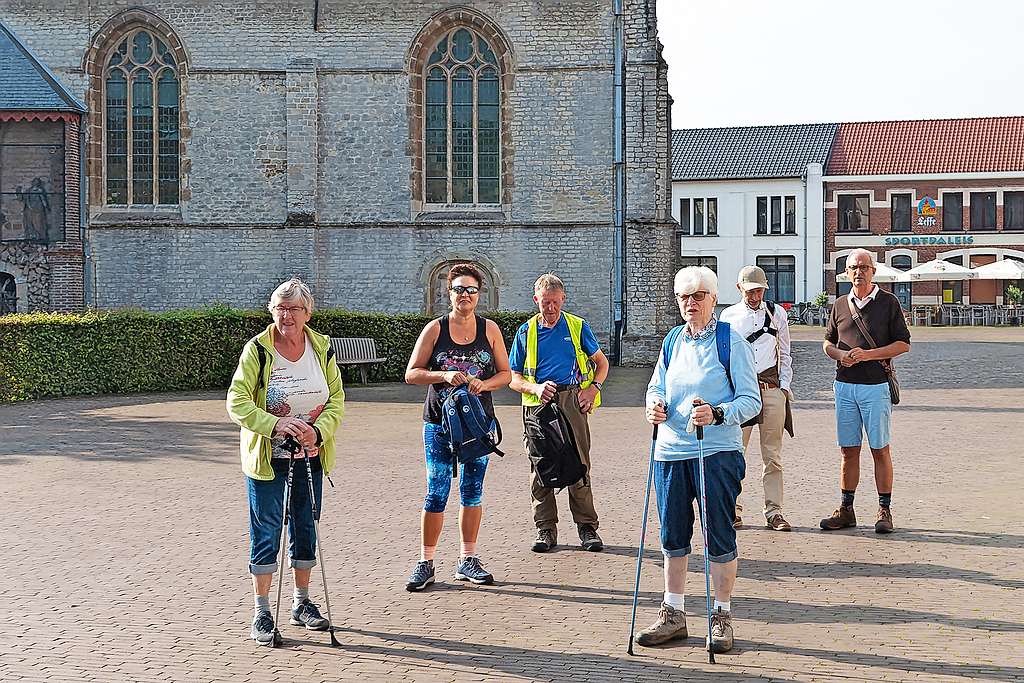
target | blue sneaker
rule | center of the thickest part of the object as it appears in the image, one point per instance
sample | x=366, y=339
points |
x=421, y=577
x=470, y=569
x=307, y=614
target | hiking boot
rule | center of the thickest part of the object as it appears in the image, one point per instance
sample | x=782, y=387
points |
x=883, y=524
x=547, y=539
x=421, y=577
x=721, y=631
x=778, y=523
x=671, y=624
x=307, y=614
x=589, y=540
x=470, y=569
x=842, y=518
x=737, y=523
x=263, y=628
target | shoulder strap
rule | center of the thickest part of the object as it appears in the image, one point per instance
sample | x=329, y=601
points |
x=863, y=328
x=670, y=344
x=770, y=305
x=723, y=340
x=261, y=353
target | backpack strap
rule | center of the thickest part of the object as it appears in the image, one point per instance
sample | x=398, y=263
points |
x=723, y=340
x=670, y=344
x=767, y=327
x=261, y=353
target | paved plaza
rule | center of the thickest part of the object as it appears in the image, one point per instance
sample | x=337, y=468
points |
x=125, y=545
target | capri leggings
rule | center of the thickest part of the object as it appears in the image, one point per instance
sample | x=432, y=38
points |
x=439, y=472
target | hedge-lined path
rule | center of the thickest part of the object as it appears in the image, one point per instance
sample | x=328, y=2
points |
x=125, y=547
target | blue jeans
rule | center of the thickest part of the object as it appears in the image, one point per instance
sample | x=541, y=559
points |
x=862, y=408
x=266, y=505
x=436, y=447
x=677, y=485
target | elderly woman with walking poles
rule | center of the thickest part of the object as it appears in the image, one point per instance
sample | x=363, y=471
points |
x=287, y=397
x=459, y=348
x=703, y=388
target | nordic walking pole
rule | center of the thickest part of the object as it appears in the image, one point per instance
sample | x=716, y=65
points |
x=704, y=528
x=319, y=548
x=643, y=533
x=278, y=640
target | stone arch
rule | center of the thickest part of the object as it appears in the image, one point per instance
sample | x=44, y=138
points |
x=93, y=61
x=20, y=285
x=416, y=60
x=435, y=270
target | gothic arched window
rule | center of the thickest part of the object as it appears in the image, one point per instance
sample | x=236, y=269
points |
x=462, y=112
x=140, y=113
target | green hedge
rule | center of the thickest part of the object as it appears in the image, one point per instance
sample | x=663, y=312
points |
x=56, y=354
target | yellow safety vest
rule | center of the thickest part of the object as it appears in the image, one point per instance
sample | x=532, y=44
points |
x=587, y=367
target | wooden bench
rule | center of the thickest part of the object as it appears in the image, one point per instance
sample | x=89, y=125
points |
x=360, y=351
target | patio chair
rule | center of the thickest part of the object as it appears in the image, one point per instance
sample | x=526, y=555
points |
x=922, y=315
x=976, y=315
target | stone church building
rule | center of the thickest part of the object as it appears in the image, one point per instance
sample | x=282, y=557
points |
x=361, y=145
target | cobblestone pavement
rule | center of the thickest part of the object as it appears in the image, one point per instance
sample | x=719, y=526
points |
x=125, y=547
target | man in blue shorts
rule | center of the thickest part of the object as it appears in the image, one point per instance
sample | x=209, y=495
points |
x=863, y=403
x=556, y=357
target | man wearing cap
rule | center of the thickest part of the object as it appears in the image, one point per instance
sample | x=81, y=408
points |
x=766, y=327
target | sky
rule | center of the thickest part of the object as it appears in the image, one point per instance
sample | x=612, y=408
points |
x=750, y=62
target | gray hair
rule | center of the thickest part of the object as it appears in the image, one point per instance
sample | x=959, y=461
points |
x=548, y=282
x=852, y=256
x=292, y=290
x=696, y=278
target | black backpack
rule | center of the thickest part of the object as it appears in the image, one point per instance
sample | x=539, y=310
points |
x=551, y=447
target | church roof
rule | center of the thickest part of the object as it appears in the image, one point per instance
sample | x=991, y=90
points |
x=26, y=84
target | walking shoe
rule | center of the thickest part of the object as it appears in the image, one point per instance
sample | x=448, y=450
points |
x=883, y=524
x=421, y=577
x=671, y=624
x=589, y=539
x=470, y=569
x=737, y=523
x=307, y=614
x=263, y=628
x=721, y=631
x=778, y=523
x=547, y=539
x=843, y=517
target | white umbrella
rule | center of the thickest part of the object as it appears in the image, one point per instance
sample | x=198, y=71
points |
x=940, y=270
x=883, y=273
x=1007, y=269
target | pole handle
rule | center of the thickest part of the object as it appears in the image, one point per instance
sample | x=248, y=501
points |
x=700, y=429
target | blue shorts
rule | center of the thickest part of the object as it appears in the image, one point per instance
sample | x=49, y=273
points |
x=677, y=485
x=862, y=408
x=266, y=507
x=439, y=472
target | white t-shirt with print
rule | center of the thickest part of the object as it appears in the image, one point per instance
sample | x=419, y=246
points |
x=296, y=389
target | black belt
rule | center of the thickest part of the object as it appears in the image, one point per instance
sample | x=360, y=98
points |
x=566, y=387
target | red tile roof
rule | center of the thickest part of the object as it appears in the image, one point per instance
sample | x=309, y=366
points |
x=929, y=146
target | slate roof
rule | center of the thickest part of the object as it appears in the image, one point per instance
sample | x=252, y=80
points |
x=990, y=145
x=749, y=151
x=26, y=84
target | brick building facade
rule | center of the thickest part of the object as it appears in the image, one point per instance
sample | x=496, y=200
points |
x=914, y=191
x=363, y=146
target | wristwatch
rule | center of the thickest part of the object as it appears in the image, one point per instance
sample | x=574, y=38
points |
x=597, y=384
x=719, y=414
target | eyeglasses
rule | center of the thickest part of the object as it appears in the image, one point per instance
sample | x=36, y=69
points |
x=861, y=267
x=293, y=310
x=461, y=289
x=696, y=296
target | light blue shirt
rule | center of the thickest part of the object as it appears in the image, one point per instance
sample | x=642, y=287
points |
x=694, y=371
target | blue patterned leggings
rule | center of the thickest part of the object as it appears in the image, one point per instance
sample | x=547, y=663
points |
x=439, y=472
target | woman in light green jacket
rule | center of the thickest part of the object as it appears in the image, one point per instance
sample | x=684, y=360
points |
x=286, y=395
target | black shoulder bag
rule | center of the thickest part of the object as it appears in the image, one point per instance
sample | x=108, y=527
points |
x=887, y=365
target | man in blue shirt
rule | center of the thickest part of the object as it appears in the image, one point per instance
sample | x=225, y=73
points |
x=558, y=376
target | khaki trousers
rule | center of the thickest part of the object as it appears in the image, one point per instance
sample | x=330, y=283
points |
x=770, y=433
x=581, y=496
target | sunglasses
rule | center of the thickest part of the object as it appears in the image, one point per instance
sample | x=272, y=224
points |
x=461, y=289
x=696, y=296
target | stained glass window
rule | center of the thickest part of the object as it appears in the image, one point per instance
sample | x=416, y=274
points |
x=141, y=114
x=462, y=122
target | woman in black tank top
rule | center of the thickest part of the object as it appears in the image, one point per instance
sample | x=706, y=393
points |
x=458, y=348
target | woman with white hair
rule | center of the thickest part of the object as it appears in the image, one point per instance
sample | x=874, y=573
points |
x=705, y=377
x=287, y=397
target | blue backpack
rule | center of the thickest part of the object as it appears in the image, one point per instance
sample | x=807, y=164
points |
x=471, y=431
x=722, y=341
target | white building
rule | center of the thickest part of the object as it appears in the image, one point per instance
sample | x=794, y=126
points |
x=753, y=196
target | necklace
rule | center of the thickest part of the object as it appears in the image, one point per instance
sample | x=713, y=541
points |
x=459, y=336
